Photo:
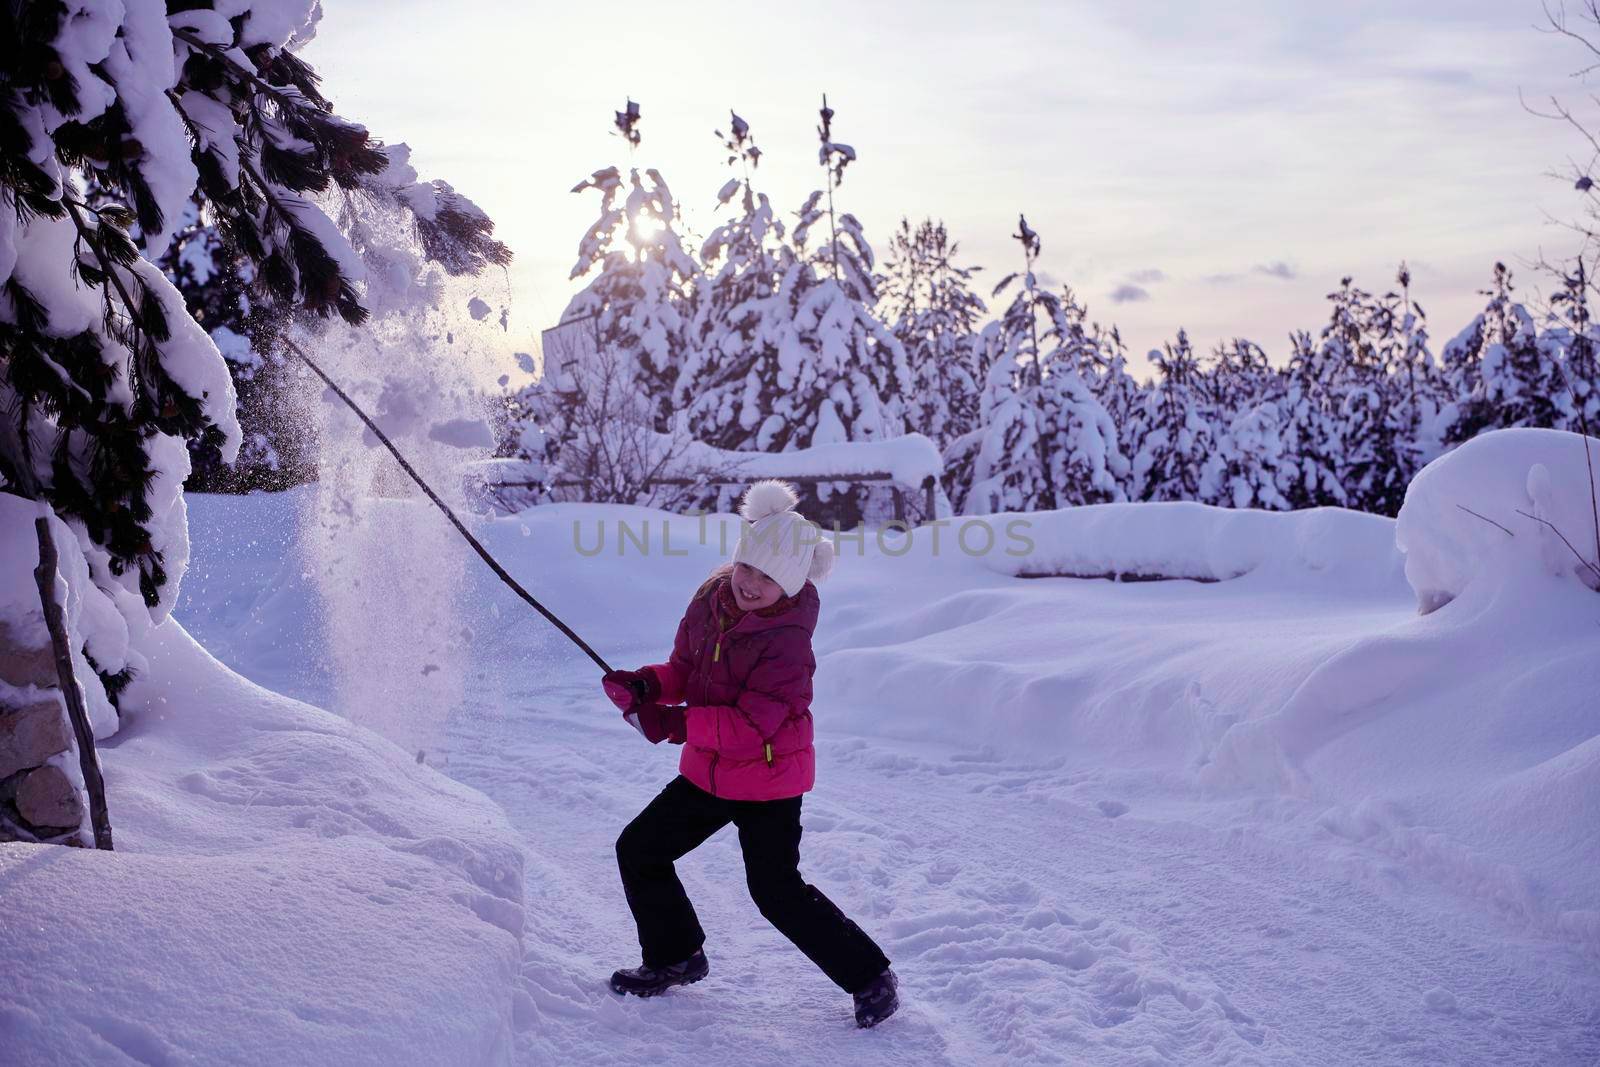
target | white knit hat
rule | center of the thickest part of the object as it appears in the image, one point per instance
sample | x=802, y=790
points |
x=779, y=542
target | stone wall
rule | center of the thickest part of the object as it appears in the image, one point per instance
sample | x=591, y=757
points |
x=40, y=796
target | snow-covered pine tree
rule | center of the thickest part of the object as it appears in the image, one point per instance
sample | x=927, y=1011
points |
x=1372, y=465
x=1312, y=425
x=830, y=371
x=1119, y=391
x=1415, y=387
x=1240, y=375
x=1522, y=376
x=1491, y=363
x=1175, y=427
x=106, y=373
x=929, y=300
x=731, y=352
x=642, y=276
x=278, y=448
x=1249, y=468
x=1045, y=440
x=1574, y=332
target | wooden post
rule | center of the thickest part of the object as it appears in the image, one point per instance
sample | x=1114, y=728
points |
x=55, y=620
x=899, y=503
x=930, y=496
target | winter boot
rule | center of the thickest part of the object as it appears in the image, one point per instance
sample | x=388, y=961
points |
x=877, y=1001
x=645, y=981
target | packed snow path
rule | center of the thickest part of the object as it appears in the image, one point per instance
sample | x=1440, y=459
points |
x=1034, y=915
x=1038, y=908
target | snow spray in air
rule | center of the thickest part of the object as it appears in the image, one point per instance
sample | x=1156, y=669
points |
x=389, y=571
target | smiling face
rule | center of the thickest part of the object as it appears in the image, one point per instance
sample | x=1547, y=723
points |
x=752, y=589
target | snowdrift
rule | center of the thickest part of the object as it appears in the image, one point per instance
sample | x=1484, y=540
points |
x=287, y=887
x=1186, y=540
x=1503, y=510
x=1289, y=694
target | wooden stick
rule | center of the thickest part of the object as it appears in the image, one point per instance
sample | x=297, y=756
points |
x=477, y=546
x=55, y=620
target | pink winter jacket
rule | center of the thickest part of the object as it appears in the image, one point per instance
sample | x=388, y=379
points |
x=747, y=684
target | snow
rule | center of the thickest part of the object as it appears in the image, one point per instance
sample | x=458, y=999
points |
x=140, y=64
x=462, y=433
x=101, y=628
x=1183, y=540
x=1279, y=817
x=1478, y=515
x=1268, y=814
x=909, y=460
x=287, y=887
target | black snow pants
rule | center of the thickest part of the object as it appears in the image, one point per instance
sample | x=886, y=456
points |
x=677, y=821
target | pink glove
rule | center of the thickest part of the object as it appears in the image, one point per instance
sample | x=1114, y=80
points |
x=659, y=722
x=630, y=688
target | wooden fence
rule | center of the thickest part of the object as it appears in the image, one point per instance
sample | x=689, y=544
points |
x=928, y=490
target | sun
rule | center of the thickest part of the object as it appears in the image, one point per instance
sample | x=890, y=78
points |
x=645, y=228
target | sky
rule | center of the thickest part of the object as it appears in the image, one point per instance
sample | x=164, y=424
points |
x=1217, y=166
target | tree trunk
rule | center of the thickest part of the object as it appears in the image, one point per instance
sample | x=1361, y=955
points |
x=55, y=619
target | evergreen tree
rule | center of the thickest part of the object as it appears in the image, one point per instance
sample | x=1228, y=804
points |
x=104, y=370
x=1579, y=401
x=278, y=448
x=1241, y=376
x=718, y=392
x=106, y=374
x=1046, y=441
x=827, y=370
x=1521, y=377
x=935, y=315
x=1312, y=425
x=1119, y=391
x=639, y=294
x=1470, y=360
x=1249, y=467
x=1370, y=466
x=1175, y=435
x=1416, y=386
x=831, y=292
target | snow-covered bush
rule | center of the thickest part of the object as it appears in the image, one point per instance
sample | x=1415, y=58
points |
x=1499, y=512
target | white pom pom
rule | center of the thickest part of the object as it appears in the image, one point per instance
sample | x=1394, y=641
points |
x=767, y=498
x=822, y=560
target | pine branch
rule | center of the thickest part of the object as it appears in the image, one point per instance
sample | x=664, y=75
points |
x=134, y=318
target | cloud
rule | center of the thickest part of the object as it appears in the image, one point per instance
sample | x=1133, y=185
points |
x=1277, y=269
x=1148, y=276
x=1127, y=294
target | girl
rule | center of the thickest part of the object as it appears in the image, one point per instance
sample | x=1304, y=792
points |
x=742, y=663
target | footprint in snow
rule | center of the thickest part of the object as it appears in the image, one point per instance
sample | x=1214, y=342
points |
x=1112, y=808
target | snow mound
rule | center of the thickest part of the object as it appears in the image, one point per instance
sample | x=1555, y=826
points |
x=287, y=887
x=1498, y=509
x=1187, y=540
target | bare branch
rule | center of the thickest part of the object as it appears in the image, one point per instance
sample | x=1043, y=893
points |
x=1579, y=556
x=1486, y=519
